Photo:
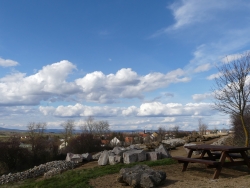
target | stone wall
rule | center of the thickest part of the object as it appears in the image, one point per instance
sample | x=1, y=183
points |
x=55, y=166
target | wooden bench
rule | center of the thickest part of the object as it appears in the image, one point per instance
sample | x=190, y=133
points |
x=234, y=156
x=195, y=160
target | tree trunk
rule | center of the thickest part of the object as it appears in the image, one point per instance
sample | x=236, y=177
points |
x=245, y=131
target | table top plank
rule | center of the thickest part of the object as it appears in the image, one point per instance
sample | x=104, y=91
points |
x=217, y=148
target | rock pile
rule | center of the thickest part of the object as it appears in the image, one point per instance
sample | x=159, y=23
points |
x=51, y=168
x=141, y=176
x=223, y=141
x=130, y=155
x=78, y=158
x=175, y=142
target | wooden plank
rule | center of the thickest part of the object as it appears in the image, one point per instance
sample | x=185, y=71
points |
x=194, y=160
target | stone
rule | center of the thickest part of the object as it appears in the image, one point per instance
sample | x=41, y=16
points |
x=153, y=156
x=164, y=153
x=198, y=152
x=96, y=156
x=134, y=155
x=115, y=159
x=175, y=142
x=118, y=150
x=77, y=158
x=104, y=158
x=87, y=157
x=51, y=168
x=141, y=176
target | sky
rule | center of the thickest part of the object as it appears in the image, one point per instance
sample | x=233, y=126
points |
x=136, y=64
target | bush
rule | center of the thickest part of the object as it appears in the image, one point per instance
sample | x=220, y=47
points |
x=84, y=143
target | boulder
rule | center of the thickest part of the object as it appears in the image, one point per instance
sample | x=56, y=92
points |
x=96, y=156
x=104, y=158
x=77, y=158
x=118, y=150
x=153, y=156
x=175, y=142
x=134, y=155
x=163, y=152
x=198, y=152
x=115, y=159
x=87, y=157
x=141, y=176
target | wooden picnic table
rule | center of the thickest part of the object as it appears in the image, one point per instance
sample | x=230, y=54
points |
x=214, y=156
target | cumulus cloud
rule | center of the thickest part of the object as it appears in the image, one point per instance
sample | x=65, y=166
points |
x=19, y=89
x=174, y=109
x=154, y=109
x=51, y=84
x=125, y=83
x=79, y=110
x=7, y=62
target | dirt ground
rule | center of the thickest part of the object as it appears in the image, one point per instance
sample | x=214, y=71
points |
x=197, y=175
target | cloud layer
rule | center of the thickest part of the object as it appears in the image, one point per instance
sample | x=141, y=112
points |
x=50, y=84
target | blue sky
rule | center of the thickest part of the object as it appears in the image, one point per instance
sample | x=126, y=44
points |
x=137, y=64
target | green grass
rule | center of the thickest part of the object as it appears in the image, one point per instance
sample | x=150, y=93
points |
x=80, y=177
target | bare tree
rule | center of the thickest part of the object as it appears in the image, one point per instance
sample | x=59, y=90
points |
x=95, y=127
x=161, y=133
x=88, y=126
x=176, y=129
x=35, y=130
x=232, y=89
x=68, y=129
x=202, y=127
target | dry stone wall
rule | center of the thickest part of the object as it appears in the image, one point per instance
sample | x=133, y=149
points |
x=53, y=167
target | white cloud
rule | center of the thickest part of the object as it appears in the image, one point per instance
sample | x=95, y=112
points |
x=174, y=109
x=7, y=62
x=201, y=97
x=169, y=119
x=233, y=57
x=79, y=110
x=188, y=12
x=213, y=76
x=125, y=83
x=50, y=84
x=154, y=109
x=203, y=68
x=19, y=89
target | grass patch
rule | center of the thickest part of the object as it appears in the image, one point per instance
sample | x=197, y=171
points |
x=80, y=177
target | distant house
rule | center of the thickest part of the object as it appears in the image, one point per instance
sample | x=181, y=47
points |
x=104, y=143
x=115, y=142
x=129, y=140
x=154, y=135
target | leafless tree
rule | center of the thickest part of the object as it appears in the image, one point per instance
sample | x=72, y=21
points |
x=176, y=129
x=35, y=130
x=161, y=133
x=232, y=89
x=95, y=127
x=68, y=129
x=202, y=127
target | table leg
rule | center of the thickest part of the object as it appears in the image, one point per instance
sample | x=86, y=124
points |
x=185, y=164
x=219, y=168
x=244, y=156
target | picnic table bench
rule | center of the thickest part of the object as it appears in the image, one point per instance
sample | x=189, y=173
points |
x=215, y=157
